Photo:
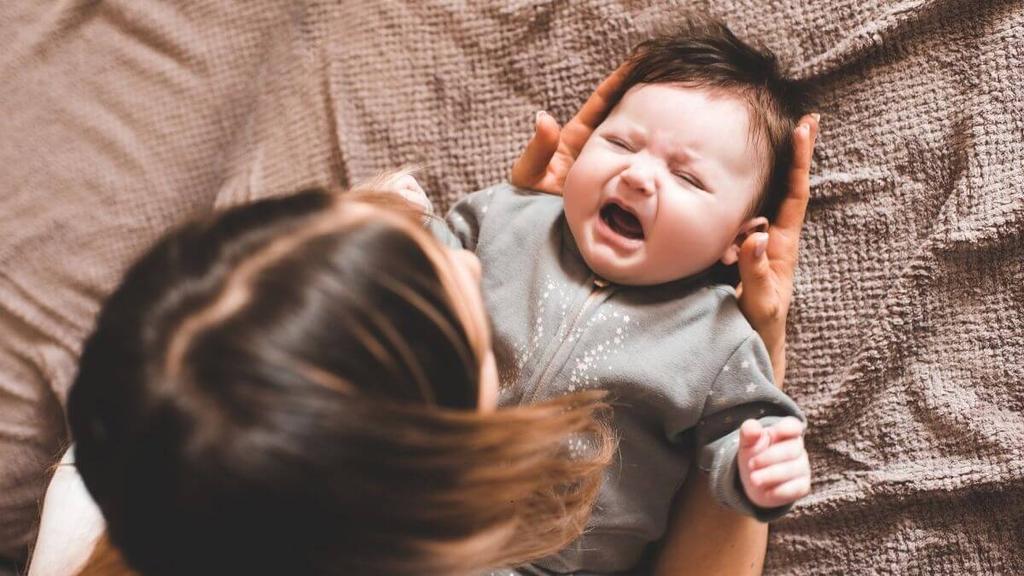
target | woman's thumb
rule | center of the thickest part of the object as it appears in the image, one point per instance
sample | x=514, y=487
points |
x=753, y=263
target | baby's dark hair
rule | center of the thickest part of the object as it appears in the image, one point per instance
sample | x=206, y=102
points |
x=704, y=53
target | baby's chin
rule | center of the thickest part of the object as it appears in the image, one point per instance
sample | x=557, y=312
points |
x=618, y=270
x=637, y=270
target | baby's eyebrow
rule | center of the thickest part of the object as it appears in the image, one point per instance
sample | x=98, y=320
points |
x=685, y=154
x=701, y=168
x=625, y=126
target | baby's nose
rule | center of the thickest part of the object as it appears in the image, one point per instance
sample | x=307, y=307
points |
x=640, y=177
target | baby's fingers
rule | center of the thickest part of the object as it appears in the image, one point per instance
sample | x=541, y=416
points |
x=781, y=473
x=790, y=491
x=788, y=427
x=780, y=452
x=752, y=436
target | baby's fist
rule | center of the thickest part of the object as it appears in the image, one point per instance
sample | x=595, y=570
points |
x=410, y=189
x=773, y=463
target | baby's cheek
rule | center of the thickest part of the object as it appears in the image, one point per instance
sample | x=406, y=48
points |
x=692, y=243
x=582, y=175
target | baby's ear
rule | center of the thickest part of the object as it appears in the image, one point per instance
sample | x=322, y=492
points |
x=732, y=252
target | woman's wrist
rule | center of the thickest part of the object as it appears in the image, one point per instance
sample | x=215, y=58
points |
x=777, y=353
x=775, y=343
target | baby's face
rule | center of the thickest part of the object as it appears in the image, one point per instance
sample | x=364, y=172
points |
x=662, y=189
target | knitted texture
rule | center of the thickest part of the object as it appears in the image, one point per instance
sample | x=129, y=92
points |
x=906, y=338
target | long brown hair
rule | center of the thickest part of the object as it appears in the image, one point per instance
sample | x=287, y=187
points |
x=288, y=387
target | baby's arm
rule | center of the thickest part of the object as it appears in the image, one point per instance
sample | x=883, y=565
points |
x=459, y=230
x=743, y=390
x=409, y=188
x=705, y=538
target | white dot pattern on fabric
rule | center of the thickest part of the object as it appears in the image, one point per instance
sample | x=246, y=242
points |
x=554, y=292
x=603, y=354
x=550, y=314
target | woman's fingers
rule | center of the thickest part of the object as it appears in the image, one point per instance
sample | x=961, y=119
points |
x=551, y=151
x=531, y=166
x=578, y=130
x=761, y=300
x=594, y=109
x=790, y=218
x=766, y=285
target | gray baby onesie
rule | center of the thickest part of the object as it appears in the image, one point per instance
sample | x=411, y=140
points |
x=682, y=364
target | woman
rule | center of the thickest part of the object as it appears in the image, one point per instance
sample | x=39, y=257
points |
x=264, y=392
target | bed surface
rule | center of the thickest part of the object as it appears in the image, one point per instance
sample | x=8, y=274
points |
x=906, y=350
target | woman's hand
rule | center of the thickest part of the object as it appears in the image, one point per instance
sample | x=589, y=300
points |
x=767, y=260
x=552, y=150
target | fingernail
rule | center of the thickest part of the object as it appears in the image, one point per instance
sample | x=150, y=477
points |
x=762, y=243
x=805, y=128
x=540, y=114
x=816, y=116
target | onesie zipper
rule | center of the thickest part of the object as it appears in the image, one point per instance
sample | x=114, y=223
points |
x=598, y=287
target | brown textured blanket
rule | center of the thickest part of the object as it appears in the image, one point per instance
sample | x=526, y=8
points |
x=121, y=117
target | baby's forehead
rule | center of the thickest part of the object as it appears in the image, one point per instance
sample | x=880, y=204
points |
x=710, y=120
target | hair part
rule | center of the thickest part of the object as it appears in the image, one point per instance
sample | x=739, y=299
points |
x=289, y=386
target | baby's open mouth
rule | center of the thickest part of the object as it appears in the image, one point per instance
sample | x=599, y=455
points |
x=622, y=222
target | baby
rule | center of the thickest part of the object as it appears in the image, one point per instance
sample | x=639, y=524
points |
x=616, y=287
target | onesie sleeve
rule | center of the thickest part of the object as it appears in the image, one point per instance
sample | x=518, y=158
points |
x=743, y=389
x=461, y=228
x=439, y=229
x=466, y=218
x=433, y=223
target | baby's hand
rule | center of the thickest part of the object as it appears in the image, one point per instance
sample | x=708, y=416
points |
x=773, y=462
x=410, y=189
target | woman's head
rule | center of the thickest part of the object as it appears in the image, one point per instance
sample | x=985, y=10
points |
x=304, y=385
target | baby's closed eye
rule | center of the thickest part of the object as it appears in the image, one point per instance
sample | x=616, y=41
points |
x=618, y=143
